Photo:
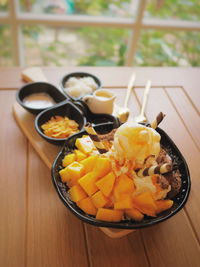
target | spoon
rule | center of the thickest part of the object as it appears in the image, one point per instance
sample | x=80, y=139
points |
x=123, y=112
x=141, y=117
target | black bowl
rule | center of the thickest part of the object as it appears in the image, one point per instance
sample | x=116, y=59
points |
x=179, y=200
x=39, y=87
x=65, y=108
x=77, y=75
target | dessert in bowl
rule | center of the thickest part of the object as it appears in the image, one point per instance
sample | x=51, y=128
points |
x=56, y=124
x=128, y=178
x=75, y=85
x=38, y=96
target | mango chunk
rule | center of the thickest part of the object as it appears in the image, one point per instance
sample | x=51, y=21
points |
x=106, y=184
x=87, y=182
x=134, y=214
x=102, y=167
x=99, y=200
x=125, y=202
x=145, y=203
x=68, y=159
x=64, y=175
x=77, y=193
x=79, y=155
x=89, y=163
x=109, y=215
x=87, y=206
x=124, y=185
x=109, y=204
x=72, y=173
x=162, y=205
x=85, y=144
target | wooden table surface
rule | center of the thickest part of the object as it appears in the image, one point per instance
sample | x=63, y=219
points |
x=36, y=229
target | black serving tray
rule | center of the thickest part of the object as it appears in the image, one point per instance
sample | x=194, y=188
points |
x=77, y=111
x=39, y=87
x=179, y=200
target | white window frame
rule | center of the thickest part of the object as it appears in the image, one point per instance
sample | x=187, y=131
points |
x=15, y=19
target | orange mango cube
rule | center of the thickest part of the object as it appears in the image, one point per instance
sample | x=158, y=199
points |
x=68, y=159
x=109, y=204
x=106, y=184
x=162, y=205
x=109, y=215
x=87, y=206
x=134, y=214
x=72, y=173
x=99, y=200
x=64, y=175
x=145, y=203
x=89, y=163
x=87, y=182
x=77, y=193
x=125, y=202
x=124, y=185
x=85, y=144
x=102, y=167
x=79, y=155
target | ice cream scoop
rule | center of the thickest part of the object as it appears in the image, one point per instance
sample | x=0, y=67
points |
x=134, y=141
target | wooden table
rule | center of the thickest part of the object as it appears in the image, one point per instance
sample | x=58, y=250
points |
x=36, y=229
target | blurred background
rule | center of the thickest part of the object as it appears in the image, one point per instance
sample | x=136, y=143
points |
x=99, y=33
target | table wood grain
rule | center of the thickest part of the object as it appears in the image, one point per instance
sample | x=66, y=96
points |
x=36, y=229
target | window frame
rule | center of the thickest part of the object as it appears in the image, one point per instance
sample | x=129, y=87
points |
x=136, y=24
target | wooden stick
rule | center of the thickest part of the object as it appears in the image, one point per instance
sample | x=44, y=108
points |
x=157, y=169
x=158, y=120
x=93, y=135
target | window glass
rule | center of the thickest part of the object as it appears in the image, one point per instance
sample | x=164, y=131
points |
x=74, y=46
x=5, y=46
x=3, y=6
x=173, y=9
x=116, y=8
x=168, y=48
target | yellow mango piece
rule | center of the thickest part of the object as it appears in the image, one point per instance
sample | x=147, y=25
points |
x=102, y=167
x=162, y=205
x=106, y=184
x=87, y=206
x=123, y=185
x=109, y=204
x=89, y=163
x=79, y=155
x=87, y=182
x=64, y=175
x=145, y=203
x=99, y=200
x=72, y=173
x=77, y=193
x=125, y=202
x=134, y=214
x=109, y=215
x=85, y=144
x=68, y=159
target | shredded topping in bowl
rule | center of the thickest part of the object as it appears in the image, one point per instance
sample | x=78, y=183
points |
x=60, y=127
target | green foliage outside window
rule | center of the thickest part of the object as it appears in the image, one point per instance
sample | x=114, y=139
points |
x=107, y=46
x=168, y=48
x=174, y=9
x=5, y=47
